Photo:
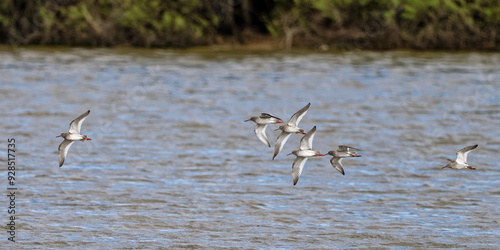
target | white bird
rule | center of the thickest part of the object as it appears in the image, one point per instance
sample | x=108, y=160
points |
x=290, y=127
x=342, y=152
x=303, y=153
x=262, y=121
x=461, y=161
x=71, y=136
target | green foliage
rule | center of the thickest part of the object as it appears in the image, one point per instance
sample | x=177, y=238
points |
x=5, y=20
x=163, y=22
x=365, y=24
x=434, y=24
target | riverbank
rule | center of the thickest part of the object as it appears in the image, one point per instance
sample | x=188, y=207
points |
x=311, y=24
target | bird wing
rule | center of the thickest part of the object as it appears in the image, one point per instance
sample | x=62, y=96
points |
x=280, y=142
x=76, y=124
x=297, y=117
x=63, y=150
x=307, y=141
x=462, y=154
x=260, y=131
x=267, y=116
x=337, y=164
x=297, y=167
x=344, y=148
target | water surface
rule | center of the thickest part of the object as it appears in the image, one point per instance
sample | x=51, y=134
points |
x=172, y=164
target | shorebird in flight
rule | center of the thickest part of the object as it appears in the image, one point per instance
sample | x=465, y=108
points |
x=261, y=123
x=290, y=127
x=342, y=152
x=71, y=136
x=461, y=161
x=303, y=153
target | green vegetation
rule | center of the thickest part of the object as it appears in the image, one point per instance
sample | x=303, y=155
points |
x=341, y=24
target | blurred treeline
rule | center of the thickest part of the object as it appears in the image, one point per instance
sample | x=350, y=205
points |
x=344, y=24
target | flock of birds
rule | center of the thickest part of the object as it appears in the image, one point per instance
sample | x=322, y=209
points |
x=304, y=152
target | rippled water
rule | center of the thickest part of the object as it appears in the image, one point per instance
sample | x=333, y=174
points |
x=172, y=164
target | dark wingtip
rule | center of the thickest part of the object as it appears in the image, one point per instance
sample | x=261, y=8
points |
x=308, y=105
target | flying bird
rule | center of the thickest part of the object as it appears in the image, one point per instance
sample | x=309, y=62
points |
x=461, y=161
x=261, y=123
x=290, y=127
x=303, y=153
x=342, y=152
x=71, y=136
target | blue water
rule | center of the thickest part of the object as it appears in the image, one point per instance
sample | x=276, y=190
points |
x=172, y=164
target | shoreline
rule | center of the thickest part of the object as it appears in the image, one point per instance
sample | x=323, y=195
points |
x=258, y=47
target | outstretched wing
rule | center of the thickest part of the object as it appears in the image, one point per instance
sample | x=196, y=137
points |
x=297, y=117
x=297, y=167
x=337, y=164
x=260, y=131
x=462, y=154
x=307, y=141
x=267, y=116
x=344, y=148
x=63, y=150
x=280, y=142
x=76, y=124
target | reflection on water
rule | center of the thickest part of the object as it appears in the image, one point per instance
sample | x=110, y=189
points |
x=172, y=164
